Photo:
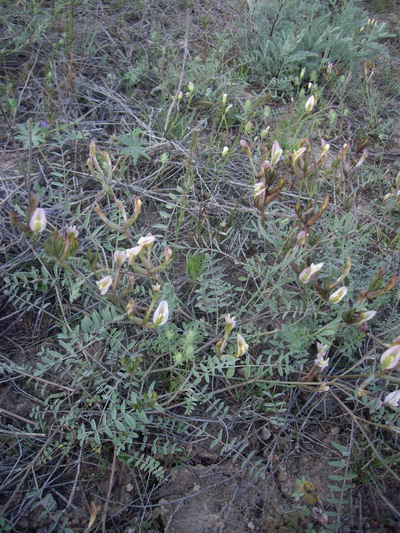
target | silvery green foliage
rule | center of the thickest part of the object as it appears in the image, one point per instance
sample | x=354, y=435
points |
x=283, y=36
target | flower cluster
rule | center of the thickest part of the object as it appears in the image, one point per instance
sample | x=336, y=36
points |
x=320, y=361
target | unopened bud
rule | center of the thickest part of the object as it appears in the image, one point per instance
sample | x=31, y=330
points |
x=276, y=153
x=301, y=238
x=248, y=127
x=225, y=151
x=138, y=205
x=245, y=147
x=265, y=132
x=362, y=158
x=130, y=307
x=168, y=254
x=89, y=163
x=310, y=104
x=92, y=149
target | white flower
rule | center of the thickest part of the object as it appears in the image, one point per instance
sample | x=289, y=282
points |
x=132, y=253
x=119, y=258
x=242, y=346
x=365, y=316
x=321, y=362
x=298, y=153
x=230, y=323
x=225, y=151
x=38, y=220
x=71, y=229
x=338, y=295
x=322, y=348
x=391, y=357
x=146, y=241
x=104, y=284
x=306, y=275
x=325, y=147
x=161, y=314
x=310, y=104
x=276, y=153
x=393, y=399
x=259, y=189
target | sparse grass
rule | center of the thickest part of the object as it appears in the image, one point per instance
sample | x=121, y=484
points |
x=96, y=393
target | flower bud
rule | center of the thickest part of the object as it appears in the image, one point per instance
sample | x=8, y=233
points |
x=325, y=147
x=167, y=254
x=301, y=238
x=225, y=151
x=276, y=153
x=248, y=127
x=130, y=307
x=362, y=158
x=138, y=205
x=224, y=97
x=38, y=221
x=92, y=148
x=89, y=163
x=310, y=104
x=265, y=132
x=190, y=87
x=242, y=346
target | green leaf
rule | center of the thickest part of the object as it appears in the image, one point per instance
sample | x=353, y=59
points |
x=133, y=145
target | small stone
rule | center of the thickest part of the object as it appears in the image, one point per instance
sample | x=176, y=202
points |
x=251, y=526
x=129, y=487
x=265, y=433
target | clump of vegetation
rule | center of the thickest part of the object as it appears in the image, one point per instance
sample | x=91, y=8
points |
x=198, y=261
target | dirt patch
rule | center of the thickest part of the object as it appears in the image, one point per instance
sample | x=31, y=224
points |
x=224, y=497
